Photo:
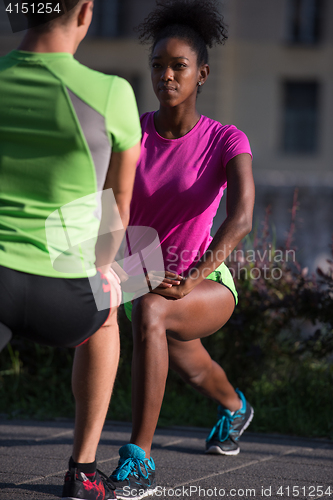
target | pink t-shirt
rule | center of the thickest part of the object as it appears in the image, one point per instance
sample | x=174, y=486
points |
x=179, y=184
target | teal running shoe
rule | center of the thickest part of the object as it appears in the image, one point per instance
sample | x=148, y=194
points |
x=134, y=477
x=223, y=438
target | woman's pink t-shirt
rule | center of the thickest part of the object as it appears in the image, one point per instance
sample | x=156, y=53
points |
x=179, y=184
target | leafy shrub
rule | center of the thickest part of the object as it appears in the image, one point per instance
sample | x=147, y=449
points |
x=277, y=299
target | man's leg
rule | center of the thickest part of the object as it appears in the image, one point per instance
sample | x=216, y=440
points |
x=94, y=371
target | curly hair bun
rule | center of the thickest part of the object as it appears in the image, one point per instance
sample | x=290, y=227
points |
x=200, y=16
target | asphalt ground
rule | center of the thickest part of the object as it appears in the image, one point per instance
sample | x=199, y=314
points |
x=34, y=457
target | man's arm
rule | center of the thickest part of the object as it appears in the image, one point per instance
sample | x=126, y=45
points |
x=120, y=178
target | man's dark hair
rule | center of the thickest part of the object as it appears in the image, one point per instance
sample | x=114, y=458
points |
x=62, y=11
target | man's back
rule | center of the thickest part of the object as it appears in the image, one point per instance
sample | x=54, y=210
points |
x=59, y=122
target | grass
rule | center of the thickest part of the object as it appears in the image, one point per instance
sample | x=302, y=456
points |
x=35, y=382
x=298, y=403
x=294, y=399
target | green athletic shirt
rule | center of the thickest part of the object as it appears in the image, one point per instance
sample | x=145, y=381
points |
x=59, y=122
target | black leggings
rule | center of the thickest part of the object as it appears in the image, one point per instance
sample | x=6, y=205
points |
x=51, y=311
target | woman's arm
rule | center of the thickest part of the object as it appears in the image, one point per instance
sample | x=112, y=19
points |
x=238, y=223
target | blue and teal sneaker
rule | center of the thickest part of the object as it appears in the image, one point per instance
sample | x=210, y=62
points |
x=134, y=477
x=223, y=438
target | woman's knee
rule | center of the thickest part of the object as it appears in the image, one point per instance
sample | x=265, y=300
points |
x=148, y=315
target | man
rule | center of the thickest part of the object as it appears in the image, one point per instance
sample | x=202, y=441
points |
x=66, y=132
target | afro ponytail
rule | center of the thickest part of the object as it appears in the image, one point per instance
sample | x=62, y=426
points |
x=197, y=21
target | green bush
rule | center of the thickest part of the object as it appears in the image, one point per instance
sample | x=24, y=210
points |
x=35, y=381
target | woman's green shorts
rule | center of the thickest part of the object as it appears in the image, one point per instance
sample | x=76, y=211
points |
x=220, y=275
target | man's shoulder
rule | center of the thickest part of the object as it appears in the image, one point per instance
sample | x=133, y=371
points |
x=93, y=87
x=77, y=71
x=98, y=76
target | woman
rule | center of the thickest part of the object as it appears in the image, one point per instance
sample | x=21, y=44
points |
x=186, y=162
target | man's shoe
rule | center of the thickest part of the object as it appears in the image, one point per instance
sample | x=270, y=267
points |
x=134, y=477
x=223, y=439
x=78, y=487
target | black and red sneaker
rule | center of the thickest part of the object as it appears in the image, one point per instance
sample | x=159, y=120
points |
x=80, y=486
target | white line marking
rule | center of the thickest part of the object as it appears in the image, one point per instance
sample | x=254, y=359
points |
x=253, y=462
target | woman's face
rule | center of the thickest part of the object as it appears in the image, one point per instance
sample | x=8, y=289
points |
x=175, y=73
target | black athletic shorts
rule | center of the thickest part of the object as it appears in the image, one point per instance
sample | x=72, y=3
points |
x=52, y=311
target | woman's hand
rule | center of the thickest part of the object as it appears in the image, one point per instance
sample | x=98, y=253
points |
x=174, y=292
x=152, y=281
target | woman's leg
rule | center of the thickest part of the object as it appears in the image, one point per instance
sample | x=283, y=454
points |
x=201, y=313
x=194, y=364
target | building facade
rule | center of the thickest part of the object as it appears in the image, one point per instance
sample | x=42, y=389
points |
x=273, y=79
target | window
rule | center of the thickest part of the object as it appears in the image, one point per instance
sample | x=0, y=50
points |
x=300, y=117
x=304, y=21
x=106, y=19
